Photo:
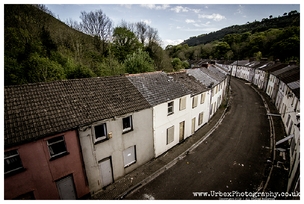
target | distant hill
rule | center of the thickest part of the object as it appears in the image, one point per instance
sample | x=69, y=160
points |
x=290, y=19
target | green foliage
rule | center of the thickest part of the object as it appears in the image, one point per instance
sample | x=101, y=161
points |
x=125, y=43
x=178, y=64
x=138, y=62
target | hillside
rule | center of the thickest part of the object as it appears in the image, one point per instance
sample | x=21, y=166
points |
x=39, y=48
x=290, y=19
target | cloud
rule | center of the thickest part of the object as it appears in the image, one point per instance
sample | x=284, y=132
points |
x=172, y=42
x=178, y=9
x=214, y=16
x=239, y=10
x=148, y=22
x=189, y=21
x=156, y=7
x=128, y=6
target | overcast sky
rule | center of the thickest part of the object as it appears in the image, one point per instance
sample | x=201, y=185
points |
x=176, y=22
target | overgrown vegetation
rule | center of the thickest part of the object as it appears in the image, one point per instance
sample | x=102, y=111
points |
x=273, y=38
x=40, y=48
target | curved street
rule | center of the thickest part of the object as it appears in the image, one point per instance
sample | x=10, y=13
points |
x=232, y=159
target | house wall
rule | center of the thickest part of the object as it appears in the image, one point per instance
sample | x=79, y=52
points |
x=288, y=106
x=201, y=108
x=41, y=173
x=113, y=148
x=162, y=121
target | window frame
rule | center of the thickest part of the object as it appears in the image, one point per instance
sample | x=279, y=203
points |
x=203, y=98
x=182, y=103
x=200, y=118
x=170, y=107
x=19, y=168
x=168, y=138
x=135, y=157
x=128, y=129
x=102, y=138
x=56, y=142
x=194, y=101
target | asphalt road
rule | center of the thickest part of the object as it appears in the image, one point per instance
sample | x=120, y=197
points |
x=232, y=160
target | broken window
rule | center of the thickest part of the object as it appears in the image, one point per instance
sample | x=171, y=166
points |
x=127, y=124
x=170, y=108
x=56, y=146
x=100, y=132
x=12, y=161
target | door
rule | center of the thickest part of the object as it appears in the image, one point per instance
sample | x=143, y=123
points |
x=181, y=131
x=66, y=188
x=193, y=126
x=105, y=167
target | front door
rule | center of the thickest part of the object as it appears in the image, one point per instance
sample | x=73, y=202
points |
x=106, y=172
x=66, y=188
x=181, y=131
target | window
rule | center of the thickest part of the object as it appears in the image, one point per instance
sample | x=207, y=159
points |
x=127, y=124
x=12, y=162
x=170, y=134
x=194, y=102
x=100, y=132
x=170, y=108
x=200, y=118
x=129, y=156
x=56, y=146
x=202, y=98
x=182, y=103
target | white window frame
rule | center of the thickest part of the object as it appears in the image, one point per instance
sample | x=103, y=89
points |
x=182, y=103
x=12, y=156
x=170, y=135
x=105, y=133
x=131, y=152
x=50, y=144
x=194, y=101
x=129, y=118
x=200, y=118
x=170, y=107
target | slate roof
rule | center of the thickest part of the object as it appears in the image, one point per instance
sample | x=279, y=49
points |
x=189, y=82
x=201, y=74
x=274, y=67
x=157, y=87
x=35, y=110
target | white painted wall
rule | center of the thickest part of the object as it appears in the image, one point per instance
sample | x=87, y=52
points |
x=141, y=136
x=162, y=121
x=201, y=107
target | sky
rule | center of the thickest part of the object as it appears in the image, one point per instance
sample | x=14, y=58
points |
x=176, y=22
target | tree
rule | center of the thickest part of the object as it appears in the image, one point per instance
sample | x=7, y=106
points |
x=138, y=62
x=124, y=43
x=97, y=24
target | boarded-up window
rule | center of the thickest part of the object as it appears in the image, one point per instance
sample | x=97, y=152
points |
x=129, y=156
x=170, y=134
x=202, y=98
x=193, y=126
x=194, y=101
x=182, y=103
x=200, y=118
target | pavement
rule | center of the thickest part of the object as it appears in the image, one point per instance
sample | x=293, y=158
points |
x=276, y=178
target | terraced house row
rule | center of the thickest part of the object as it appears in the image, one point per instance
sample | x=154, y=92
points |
x=70, y=139
x=281, y=82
